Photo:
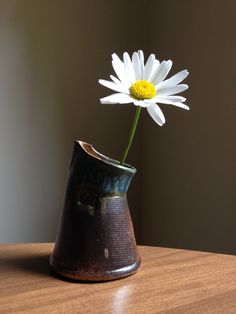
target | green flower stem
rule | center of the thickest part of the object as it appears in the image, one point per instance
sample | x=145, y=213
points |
x=132, y=132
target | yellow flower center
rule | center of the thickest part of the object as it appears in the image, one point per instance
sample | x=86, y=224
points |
x=142, y=89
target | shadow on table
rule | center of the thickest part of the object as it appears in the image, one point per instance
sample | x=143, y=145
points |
x=31, y=264
x=38, y=265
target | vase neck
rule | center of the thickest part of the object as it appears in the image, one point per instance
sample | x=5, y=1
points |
x=92, y=168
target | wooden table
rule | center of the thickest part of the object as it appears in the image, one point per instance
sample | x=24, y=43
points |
x=170, y=281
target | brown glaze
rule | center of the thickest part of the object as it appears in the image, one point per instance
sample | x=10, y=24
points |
x=95, y=239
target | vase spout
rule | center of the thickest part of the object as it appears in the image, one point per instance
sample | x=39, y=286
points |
x=106, y=174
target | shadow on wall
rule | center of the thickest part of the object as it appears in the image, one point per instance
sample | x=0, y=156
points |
x=189, y=169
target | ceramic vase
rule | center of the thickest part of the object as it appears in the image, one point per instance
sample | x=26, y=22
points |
x=95, y=239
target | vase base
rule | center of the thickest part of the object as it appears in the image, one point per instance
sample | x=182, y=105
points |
x=94, y=276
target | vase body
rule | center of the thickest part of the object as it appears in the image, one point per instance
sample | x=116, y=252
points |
x=95, y=239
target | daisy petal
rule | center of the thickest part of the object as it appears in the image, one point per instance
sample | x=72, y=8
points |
x=156, y=113
x=155, y=67
x=180, y=105
x=118, y=98
x=129, y=67
x=149, y=67
x=176, y=98
x=119, y=68
x=136, y=65
x=141, y=59
x=162, y=72
x=166, y=91
x=141, y=103
x=160, y=100
x=113, y=86
x=174, y=80
x=119, y=83
x=173, y=103
x=115, y=80
x=166, y=99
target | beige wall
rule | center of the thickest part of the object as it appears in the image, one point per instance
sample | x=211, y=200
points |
x=189, y=165
x=51, y=55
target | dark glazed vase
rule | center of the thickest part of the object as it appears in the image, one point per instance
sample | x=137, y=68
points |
x=95, y=239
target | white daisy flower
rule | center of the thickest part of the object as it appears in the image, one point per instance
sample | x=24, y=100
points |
x=145, y=85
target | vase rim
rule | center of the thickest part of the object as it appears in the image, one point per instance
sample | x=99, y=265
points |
x=90, y=150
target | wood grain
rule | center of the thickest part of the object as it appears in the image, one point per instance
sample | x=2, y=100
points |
x=169, y=281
